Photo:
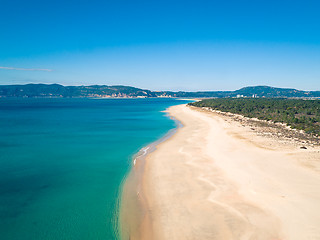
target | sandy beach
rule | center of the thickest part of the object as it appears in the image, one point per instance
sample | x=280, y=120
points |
x=216, y=178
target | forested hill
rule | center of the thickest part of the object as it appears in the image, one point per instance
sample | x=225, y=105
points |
x=265, y=91
x=56, y=90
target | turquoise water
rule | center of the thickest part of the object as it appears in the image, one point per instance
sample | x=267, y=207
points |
x=62, y=162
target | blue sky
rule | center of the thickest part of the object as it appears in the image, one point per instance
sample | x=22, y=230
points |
x=161, y=45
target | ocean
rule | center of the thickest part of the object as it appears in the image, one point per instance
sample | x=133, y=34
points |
x=62, y=162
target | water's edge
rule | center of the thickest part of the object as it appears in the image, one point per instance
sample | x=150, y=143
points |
x=131, y=206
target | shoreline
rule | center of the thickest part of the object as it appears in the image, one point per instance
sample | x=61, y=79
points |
x=132, y=224
x=215, y=179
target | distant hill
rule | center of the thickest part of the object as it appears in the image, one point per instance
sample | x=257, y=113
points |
x=266, y=91
x=56, y=90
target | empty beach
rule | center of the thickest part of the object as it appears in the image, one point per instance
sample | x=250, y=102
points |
x=217, y=179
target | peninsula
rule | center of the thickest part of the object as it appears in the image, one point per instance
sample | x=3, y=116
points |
x=221, y=178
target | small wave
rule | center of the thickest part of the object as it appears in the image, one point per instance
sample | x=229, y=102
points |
x=145, y=151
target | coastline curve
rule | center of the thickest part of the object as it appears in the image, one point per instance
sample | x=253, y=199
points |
x=132, y=204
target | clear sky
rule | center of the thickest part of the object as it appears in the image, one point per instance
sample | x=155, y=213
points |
x=162, y=45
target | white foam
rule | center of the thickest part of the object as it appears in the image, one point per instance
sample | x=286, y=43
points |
x=145, y=150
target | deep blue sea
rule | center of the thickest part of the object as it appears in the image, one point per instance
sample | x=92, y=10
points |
x=62, y=162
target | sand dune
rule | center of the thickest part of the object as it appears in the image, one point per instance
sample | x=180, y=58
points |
x=215, y=180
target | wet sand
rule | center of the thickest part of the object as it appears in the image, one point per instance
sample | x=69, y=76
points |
x=215, y=179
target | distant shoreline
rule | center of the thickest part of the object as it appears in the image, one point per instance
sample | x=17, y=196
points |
x=119, y=91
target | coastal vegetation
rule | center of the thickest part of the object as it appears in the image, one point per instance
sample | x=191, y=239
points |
x=297, y=113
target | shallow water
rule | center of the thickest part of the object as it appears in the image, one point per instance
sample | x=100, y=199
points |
x=62, y=162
